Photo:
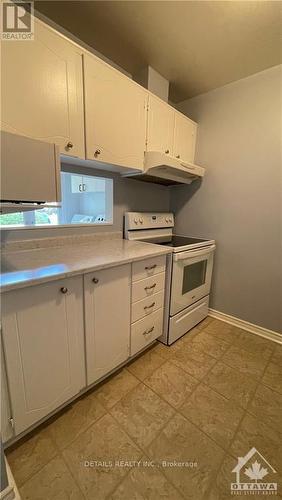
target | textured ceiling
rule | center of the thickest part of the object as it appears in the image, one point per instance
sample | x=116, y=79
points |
x=197, y=45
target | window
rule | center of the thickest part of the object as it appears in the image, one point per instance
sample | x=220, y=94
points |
x=194, y=275
x=85, y=200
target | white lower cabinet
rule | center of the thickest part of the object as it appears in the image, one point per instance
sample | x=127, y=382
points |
x=107, y=320
x=147, y=308
x=62, y=336
x=43, y=342
x=146, y=330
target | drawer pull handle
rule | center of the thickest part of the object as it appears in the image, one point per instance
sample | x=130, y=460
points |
x=150, y=287
x=147, y=332
x=149, y=307
x=149, y=268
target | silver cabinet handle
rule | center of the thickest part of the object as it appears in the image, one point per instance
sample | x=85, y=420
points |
x=95, y=280
x=64, y=289
x=147, y=332
x=69, y=145
x=149, y=307
x=150, y=287
x=97, y=153
x=149, y=268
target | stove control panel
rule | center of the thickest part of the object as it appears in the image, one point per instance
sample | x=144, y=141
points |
x=148, y=220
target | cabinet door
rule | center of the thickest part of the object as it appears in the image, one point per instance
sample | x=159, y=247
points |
x=185, y=131
x=42, y=90
x=160, y=126
x=115, y=116
x=76, y=183
x=44, y=348
x=93, y=185
x=107, y=320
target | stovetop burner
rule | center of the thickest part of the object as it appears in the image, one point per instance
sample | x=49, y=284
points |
x=181, y=241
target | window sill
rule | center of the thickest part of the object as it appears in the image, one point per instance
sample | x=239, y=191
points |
x=57, y=226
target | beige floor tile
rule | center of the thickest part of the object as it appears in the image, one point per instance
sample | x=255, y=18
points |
x=30, y=456
x=75, y=420
x=209, y=344
x=142, y=414
x=103, y=444
x=254, y=343
x=256, y=433
x=194, y=361
x=145, y=483
x=231, y=383
x=223, y=331
x=171, y=383
x=273, y=377
x=53, y=482
x=112, y=390
x=181, y=443
x=246, y=362
x=166, y=351
x=221, y=486
x=213, y=414
x=145, y=364
x=267, y=406
x=207, y=321
x=277, y=355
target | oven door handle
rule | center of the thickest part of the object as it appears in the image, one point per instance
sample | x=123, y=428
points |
x=195, y=253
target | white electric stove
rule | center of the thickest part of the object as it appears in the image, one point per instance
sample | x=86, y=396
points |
x=189, y=270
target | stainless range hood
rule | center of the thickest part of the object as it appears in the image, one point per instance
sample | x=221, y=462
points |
x=161, y=168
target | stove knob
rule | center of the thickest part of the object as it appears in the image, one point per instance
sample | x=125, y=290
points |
x=136, y=220
x=141, y=220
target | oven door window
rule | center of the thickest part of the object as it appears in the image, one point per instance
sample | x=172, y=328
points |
x=194, y=275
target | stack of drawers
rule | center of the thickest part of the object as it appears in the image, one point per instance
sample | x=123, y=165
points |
x=148, y=283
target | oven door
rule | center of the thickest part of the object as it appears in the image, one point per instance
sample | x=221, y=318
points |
x=191, y=277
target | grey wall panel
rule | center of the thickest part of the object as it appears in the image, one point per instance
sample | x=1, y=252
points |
x=239, y=201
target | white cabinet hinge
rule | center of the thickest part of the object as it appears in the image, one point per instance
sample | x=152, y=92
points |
x=12, y=423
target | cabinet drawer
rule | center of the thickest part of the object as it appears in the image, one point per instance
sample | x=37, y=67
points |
x=144, y=331
x=147, y=306
x=145, y=288
x=149, y=267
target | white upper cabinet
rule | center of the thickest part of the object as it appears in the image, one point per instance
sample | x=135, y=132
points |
x=43, y=343
x=87, y=184
x=42, y=90
x=185, y=132
x=107, y=320
x=115, y=116
x=160, y=126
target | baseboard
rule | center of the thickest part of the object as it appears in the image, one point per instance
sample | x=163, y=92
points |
x=245, y=325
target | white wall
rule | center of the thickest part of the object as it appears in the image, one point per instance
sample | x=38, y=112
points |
x=239, y=201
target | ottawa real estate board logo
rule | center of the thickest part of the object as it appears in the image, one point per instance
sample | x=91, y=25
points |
x=254, y=475
x=17, y=21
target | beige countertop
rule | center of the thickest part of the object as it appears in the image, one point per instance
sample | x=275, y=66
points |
x=30, y=267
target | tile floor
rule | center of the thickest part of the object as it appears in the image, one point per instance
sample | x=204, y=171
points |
x=206, y=400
